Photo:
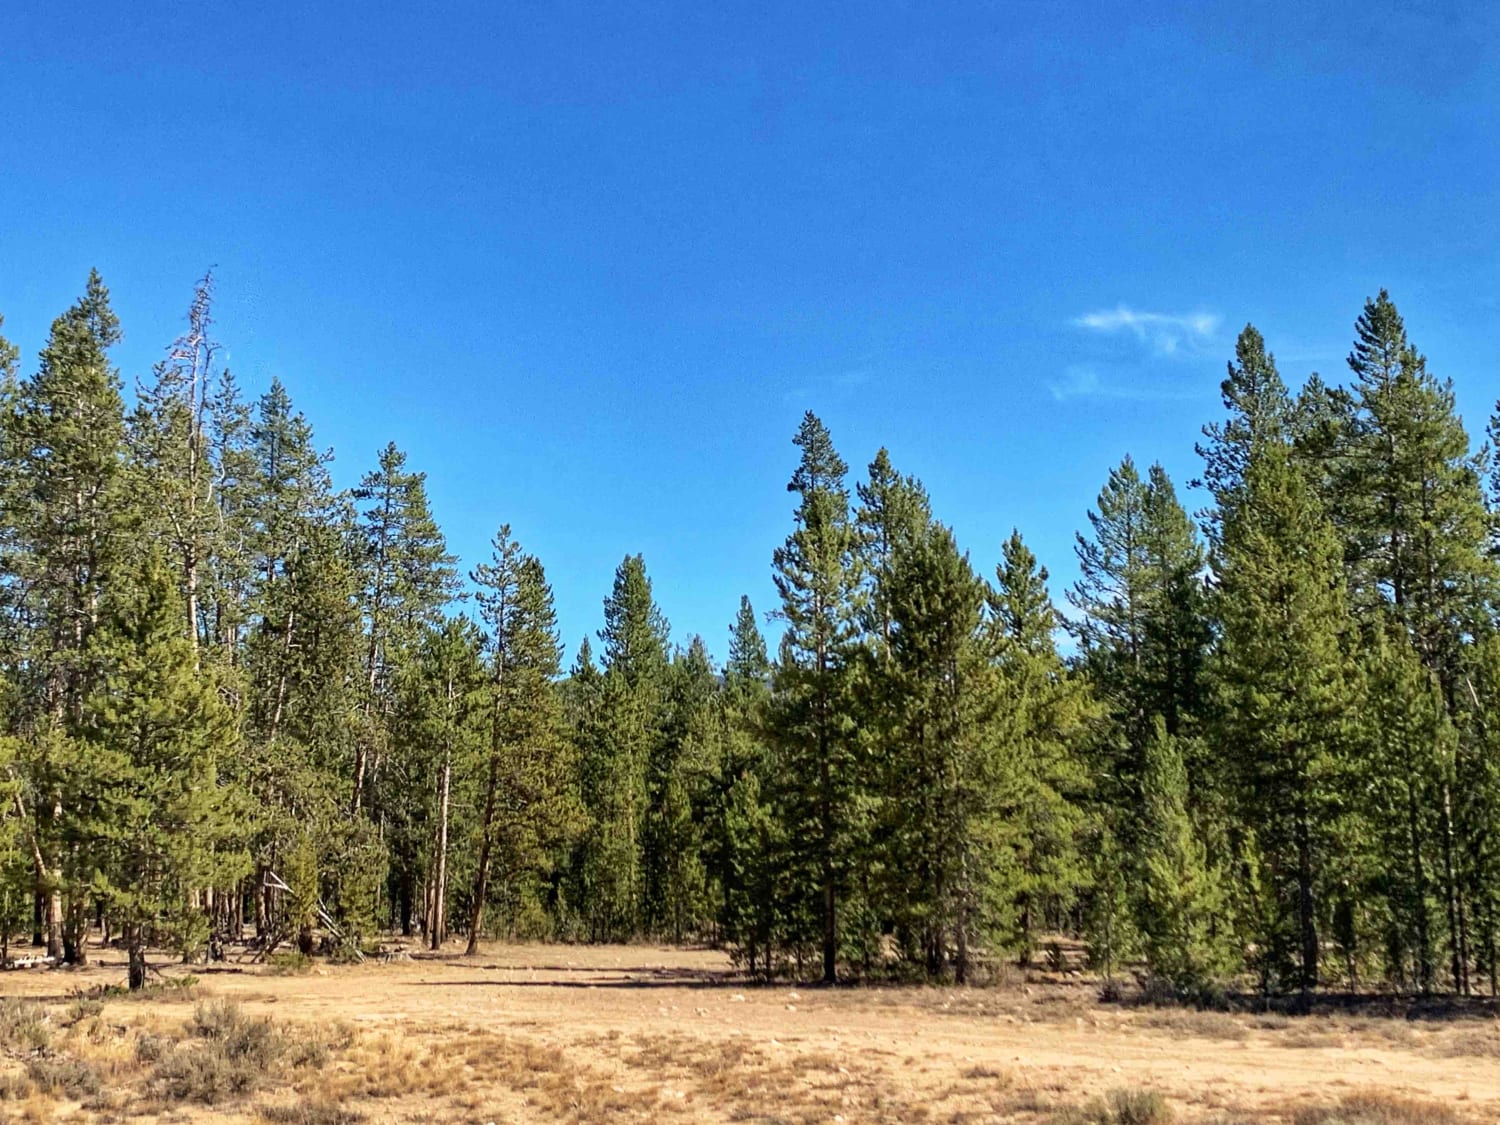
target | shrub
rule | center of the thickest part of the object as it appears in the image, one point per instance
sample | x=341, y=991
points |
x=310, y=1113
x=61, y=1074
x=153, y=1048
x=84, y=1008
x=205, y=1075
x=289, y=962
x=239, y=1052
x=238, y=1036
x=1138, y=1107
x=1119, y=1107
x=1376, y=1107
x=23, y=1025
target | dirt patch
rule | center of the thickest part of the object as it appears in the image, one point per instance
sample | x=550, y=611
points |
x=638, y=1033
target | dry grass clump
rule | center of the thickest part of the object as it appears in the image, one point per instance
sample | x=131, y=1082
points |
x=237, y=1055
x=62, y=1075
x=219, y=1055
x=1196, y=1024
x=239, y=1052
x=1376, y=1107
x=1309, y=1038
x=24, y=1025
x=310, y=1113
x=1119, y=1107
x=1472, y=1043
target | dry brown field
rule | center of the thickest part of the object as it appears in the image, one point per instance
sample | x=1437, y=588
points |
x=532, y=1033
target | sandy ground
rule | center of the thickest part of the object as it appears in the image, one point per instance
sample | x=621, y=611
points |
x=561, y=1033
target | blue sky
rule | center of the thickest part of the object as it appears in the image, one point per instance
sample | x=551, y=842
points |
x=588, y=264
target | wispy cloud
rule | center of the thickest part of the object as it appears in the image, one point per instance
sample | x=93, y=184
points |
x=831, y=386
x=1165, y=333
x=1086, y=381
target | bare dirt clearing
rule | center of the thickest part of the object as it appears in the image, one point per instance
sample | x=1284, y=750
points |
x=575, y=1034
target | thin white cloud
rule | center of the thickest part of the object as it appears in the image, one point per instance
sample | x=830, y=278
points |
x=1082, y=381
x=1076, y=381
x=1165, y=333
x=833, y=385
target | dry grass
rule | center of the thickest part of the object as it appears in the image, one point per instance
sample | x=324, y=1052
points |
x=569, y=1035
x=1120, y=1107
x=1380, y=1108
x=1190, y=1023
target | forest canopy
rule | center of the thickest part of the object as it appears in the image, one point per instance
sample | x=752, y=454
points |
x=1261, y=748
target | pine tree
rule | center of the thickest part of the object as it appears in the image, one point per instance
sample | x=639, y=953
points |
x=1285, y=693
x=621, y=744
x=409, y=578
x=1050, y=714
x=1145, y=631
x=817, y=576
x=1182, y=913
x=156, y=730
x=529, y=810
x=1260, y=411
x=893, y=512
x=955, y=847
x=744, y=846
x=442, y=730
x=170, y=441
x=65, y=534
x=681, y=777
x=1410, y=739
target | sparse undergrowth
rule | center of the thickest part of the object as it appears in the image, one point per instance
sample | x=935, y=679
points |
x=1119, y=1107
x=1379, y=1108
x=220, y=1055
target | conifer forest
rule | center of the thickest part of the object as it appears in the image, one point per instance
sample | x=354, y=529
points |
x=1255, y=747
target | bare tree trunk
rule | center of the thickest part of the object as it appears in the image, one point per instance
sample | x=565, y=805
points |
x=482, y=875
x=1457, y=922
x=439, y=926
x=46, y=885
x=135, y=940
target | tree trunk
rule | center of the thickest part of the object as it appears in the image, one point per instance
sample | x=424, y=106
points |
x=1419, y=891
x=1457, y=922
x=136, y=942
x=438, y=927
x=1306, y=916
x=482, y=875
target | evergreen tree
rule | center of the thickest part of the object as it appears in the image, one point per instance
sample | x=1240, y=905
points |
x=1285, y=694
x=64, y=536
x=1410, y=740
x=440, y=731
x=156, y=814
x=958, y=872
x=620, y=748
x=1260, y=411
x=409, y=577
x=1050, y=715
x=681, y=780
x=1182, y=901
x=743, y=849
x=528, y=809
x=817, y=576
x=1145, y=632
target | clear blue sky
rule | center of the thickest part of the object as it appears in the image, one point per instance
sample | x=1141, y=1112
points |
x=588, y=264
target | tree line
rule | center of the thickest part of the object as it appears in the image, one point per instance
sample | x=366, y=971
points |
x=1260, y=745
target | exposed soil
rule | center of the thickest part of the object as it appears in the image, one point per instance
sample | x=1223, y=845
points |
x=638, y=1033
